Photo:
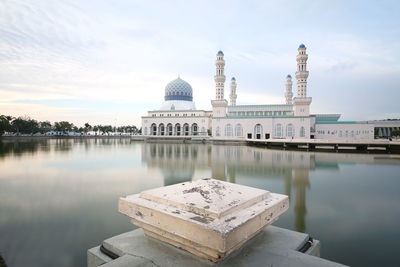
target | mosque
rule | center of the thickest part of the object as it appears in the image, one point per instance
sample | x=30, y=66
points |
x=178, y=115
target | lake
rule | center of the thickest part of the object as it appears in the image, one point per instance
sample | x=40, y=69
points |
x=58, y=197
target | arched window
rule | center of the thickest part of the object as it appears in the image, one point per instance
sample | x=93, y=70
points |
x=153, y=129
x=228, y=130
x=238, y=130
x=217, y=131
x=186, y=129
x=169, y=129
x=302, y=132
x=161, y=129
x=278, y=130
x=289, y=130
x=195, y=129
x=178, y=129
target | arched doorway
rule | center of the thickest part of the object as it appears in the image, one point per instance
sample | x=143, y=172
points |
x=258, y=131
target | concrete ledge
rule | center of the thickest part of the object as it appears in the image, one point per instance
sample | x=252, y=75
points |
x=96, y=258
x=273, y=246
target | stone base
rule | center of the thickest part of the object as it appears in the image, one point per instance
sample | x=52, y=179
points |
x=209, y=218
x=186, y=244
x=273, y=246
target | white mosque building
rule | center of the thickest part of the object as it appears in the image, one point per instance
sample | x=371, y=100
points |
x=178, y=115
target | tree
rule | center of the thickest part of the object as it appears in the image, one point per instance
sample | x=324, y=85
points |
x=88, y=127
x=63, y=126
x=44, y=126
x=396, y=133
x=5, y=125
x=25, y=125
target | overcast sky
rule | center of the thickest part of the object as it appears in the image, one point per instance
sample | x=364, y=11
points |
x=108, y=61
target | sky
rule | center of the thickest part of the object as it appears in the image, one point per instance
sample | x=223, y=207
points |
x=108, y=62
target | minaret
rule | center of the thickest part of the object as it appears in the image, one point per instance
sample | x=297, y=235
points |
x=288, y=93
x=301, y=102
x=219, y=77
x=233, y=95
x=219, y=104
x=302, y=73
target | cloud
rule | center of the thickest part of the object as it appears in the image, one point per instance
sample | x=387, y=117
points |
x=125, y=52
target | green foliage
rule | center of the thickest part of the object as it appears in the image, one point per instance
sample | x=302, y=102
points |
x=396, y=133
x=63, y=126
x=87, y=128
x=5, y=125
x=26, y=125
x=45, y=126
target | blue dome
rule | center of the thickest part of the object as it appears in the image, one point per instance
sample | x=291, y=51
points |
x=233, y=79
x=302, y=46
x=220, y=52
x=288, y=76
x=178, y=90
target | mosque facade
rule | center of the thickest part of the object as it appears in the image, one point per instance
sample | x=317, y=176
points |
x=178, y=115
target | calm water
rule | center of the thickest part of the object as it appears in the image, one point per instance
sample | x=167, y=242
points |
x=59, y=197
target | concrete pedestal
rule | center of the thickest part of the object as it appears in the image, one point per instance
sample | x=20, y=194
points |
x=273, y=246
x=208, y=217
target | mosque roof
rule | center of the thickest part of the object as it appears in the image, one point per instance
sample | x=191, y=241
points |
x=288, y=76
x=178, y=89
x=178, y=96
x=302, y=46
x=220, y=52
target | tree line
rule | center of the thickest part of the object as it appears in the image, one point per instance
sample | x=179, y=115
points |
x=26, y=125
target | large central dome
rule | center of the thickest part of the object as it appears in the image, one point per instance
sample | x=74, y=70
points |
x=178, y=96
x=178, y=90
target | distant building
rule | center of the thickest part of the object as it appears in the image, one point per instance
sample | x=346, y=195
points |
x=178, y=115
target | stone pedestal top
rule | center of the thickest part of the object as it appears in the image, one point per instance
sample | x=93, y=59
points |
x=207, y=197
x=209, y=218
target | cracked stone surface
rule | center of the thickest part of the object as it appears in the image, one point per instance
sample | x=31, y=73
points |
x=209, y=218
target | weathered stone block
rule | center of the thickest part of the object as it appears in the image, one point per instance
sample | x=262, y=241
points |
x=208, y=217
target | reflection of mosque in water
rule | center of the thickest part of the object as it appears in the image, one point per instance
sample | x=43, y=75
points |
x=178, y=163
x=260, y=166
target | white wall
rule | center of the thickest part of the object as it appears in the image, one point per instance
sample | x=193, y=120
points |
x=268, y=126
x=344, y=131
x=201, y=121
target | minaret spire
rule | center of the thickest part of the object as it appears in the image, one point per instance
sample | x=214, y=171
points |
x=302, y=73
x=289, y=93
x=233, y=95
x=219, y=104
x=219, y=77
x=301, y=103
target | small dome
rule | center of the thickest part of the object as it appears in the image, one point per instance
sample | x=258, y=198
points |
x=288, y=76
x=178, y=90
x=233, y=79
x=302, y=46
x=220, y=52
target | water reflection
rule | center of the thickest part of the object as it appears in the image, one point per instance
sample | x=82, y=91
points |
x=178, y=163
x=67, y=189
x=20, y=147
x=30, y=146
